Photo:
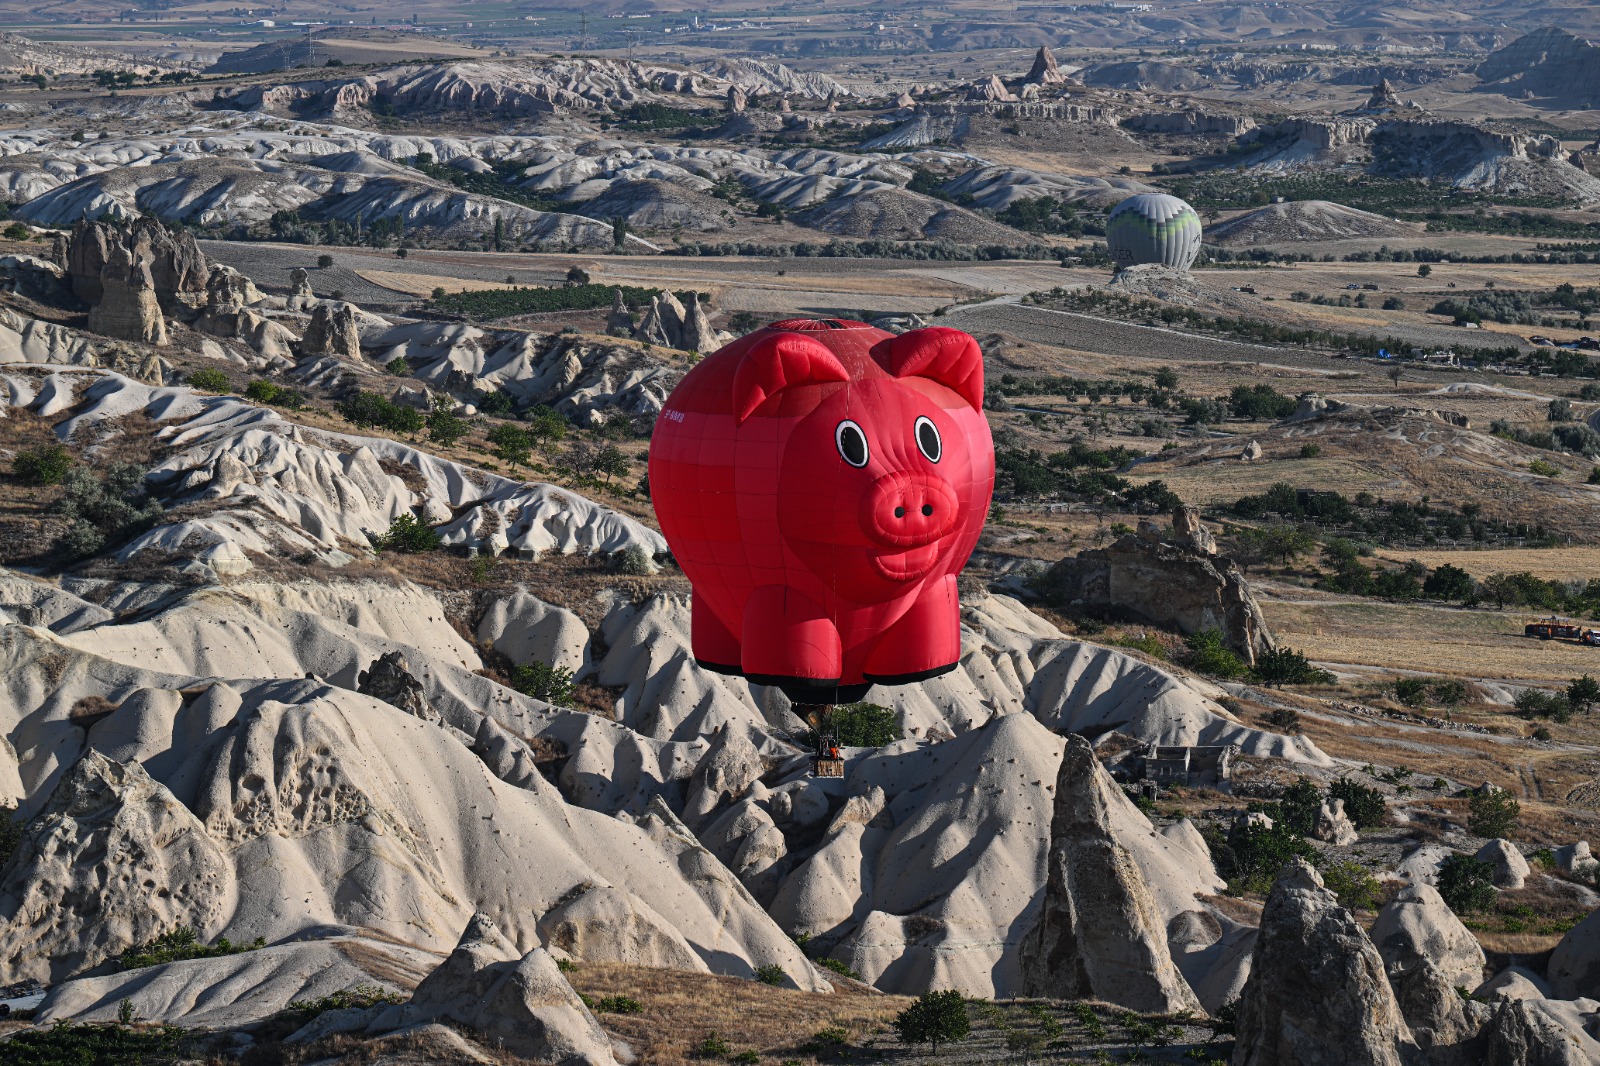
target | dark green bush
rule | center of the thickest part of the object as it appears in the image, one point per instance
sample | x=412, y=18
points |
x=1466, y=884
x=365, y=409
x=713, y=1046
x=512, y=444
x=1492, y=813
x=1449, y=583
x=1536, y=703
x=360, y=998
x=1411, y=691
x=104, y=509
x=263, y=391
x=839, y=968
x=1583, y=693
x=863, y=725
x=67, y=1044
x=935, y=1018
x=497, y=403
x=1356, y=888
x=1449, y=692
x=618, y=1005
x=1260, y=403
x=1284, y=720
x=1299, y=806
x=771, y=974
x=210, y=379
x=1365, y=807
x=407, y=535
x=444, y=428
x=45, y=465
x=1208, y=655
x=1285, y=666
x=178, y=944
x=1249, y=856
x=552, y=684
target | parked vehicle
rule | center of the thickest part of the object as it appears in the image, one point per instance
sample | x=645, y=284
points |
x=1553, y=629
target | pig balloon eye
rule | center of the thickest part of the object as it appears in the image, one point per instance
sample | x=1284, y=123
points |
x=928, y=441
x=852, y=443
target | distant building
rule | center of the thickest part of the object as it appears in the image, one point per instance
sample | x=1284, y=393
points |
x=1201, y=764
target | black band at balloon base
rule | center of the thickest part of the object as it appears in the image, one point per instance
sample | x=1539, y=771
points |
x=822, y=691
x=911, y=679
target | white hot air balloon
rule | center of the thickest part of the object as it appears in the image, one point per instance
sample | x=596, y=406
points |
x=1153, y=227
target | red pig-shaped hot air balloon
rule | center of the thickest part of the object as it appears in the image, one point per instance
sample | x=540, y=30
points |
x=822, y=483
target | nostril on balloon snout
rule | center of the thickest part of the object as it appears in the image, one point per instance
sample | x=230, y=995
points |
x=899, y=512
x=927, y=510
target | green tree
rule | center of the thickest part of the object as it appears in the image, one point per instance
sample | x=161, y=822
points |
x=1299, y=806
x=862, y=725
x=45, y=465
x=610, y=461
x=577, y=276
x=407, y=420
x=1583, y=693
x=210, y=379
x=545, y=426
x=407, y=535
x=1466, y=884
x=1424, y=270
x=1287, y=543
x=1250, y=855
x=1411, y=691
x=1449, y=692
x=1166, y=378
x=1536, y=703
x=497, y=403
x=444, y=428
x=398, y=366
x=1492, y=812
x=542, y=681
x=1356, y=888
x=1285, y=666
x=324, y=261
x=619, y=231
x=1208, y=655
x=1500, y=588
x=934, y=1018
x=1448, y=582
x=1364, y=806
x=511, y=444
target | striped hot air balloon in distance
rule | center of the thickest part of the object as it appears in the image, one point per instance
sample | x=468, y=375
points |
x=1153, y=227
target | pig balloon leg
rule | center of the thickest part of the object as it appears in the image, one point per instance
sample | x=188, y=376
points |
x=787, y=635
x=715, y=648
x=924, y=642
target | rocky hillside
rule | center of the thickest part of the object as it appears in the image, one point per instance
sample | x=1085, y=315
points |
x=1550, y=65
x=1303, y=220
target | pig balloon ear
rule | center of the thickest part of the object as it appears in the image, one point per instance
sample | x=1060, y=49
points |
x=781, y=361
x=940, y=354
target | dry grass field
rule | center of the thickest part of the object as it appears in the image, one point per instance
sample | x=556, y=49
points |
x=1551, y=564
x=423, y=284
x=1427, y=640
x=679, y=1010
